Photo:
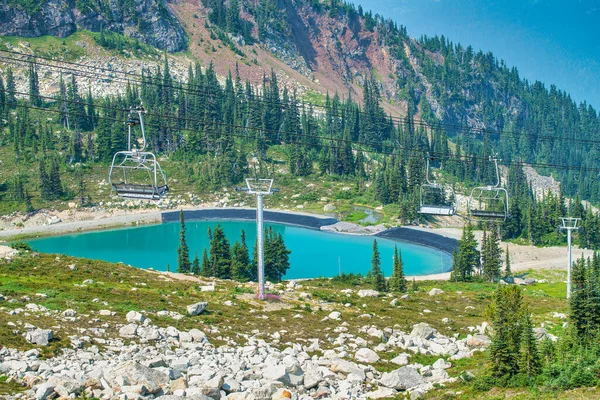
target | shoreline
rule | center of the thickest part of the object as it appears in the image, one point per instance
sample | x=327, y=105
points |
x=79, y=221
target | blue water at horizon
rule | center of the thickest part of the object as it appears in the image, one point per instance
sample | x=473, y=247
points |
x=314, y=253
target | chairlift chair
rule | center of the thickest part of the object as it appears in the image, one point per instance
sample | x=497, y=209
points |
x=435, y=198
x=489, y=203
x=135, y=173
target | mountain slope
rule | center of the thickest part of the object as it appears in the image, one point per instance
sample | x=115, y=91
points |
x=150, y=21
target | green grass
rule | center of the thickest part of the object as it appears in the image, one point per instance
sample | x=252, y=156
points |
x=52, y=46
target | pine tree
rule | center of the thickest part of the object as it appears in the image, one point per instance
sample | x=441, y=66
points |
x=206, y=270
x=34, y=88
x=507, y=270
x=507, y=312
x=466, y=257
x=376, y=273
x=492, y=262
x=220, y=254
x=11, y=98
x=240, y=260
x=183, y=254
x=530, y=363
x=398, y=280
x=196, y=265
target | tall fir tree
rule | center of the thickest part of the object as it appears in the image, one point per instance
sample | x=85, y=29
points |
x=183, y=253
x=397, y=281
x=205, y=268
x=376, y=273
x=507, y=313
x=507, y=270
x=196, y=265
x=465, y=258
x=530, y=363
x=240, y=260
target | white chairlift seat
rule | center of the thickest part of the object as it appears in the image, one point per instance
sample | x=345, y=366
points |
x=489, y=203
x=135, y=173
x=437, y=210
x=435, y=198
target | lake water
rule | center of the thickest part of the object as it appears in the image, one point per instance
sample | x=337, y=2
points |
x=314, y=253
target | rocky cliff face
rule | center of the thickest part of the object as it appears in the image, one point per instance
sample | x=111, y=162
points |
x=52, y=17
x=149, y=21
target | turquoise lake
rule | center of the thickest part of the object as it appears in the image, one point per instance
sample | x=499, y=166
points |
x=314, y=253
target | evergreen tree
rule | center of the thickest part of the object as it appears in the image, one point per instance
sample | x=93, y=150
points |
x=397, y=281
x=206, y=270
x=376, y=272
x=11, y=98
x=507, y=312
x=492, y=262
x=34, y=87
x=530, y=363
x=240, y=260
x=276, y=256
x=507, y=270
x=465, y=258
x=196, y=265
x=54, y=181
x=220, y=254
x=183, y=254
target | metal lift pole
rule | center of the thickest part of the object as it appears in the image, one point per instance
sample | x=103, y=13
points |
x=569, y=224
x=259, y=187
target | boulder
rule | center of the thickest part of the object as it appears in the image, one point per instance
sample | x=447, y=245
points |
x=135, y=317
x=441, y=364
x=435, y=292
x=335, y=315
x=401, y=379
x=328, y=207
x=382, y=393
x=198, y=336
x=138, y=374
x=368, y=293
x=44, y=390
x=39, y=336
x=423, y=331
x=400, y=359
x=197, y=308
x=478, y=341
x=346, y=367
x=366, y=355
x=276, y=373
x=128, y=331
x=69, y=313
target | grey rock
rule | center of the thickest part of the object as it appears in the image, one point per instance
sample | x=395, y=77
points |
x=39, y=336
x=402, y=379
x=400, y=359
x=478, y=341
x=198, y=336
x=366, y=355
x=44, y=390
x=276, y=373
x=197, y=308
x=135, y=317
x=368, y=293
x=128, y=331
x=138, y=374
x=423, y=331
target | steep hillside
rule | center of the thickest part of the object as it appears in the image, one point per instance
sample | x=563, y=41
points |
x=150, y=21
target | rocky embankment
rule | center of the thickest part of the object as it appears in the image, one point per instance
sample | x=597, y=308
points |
x=149, y=21
x=144, y=361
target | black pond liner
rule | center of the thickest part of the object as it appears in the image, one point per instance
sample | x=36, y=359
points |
x=305, y=221
x=428, y=239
